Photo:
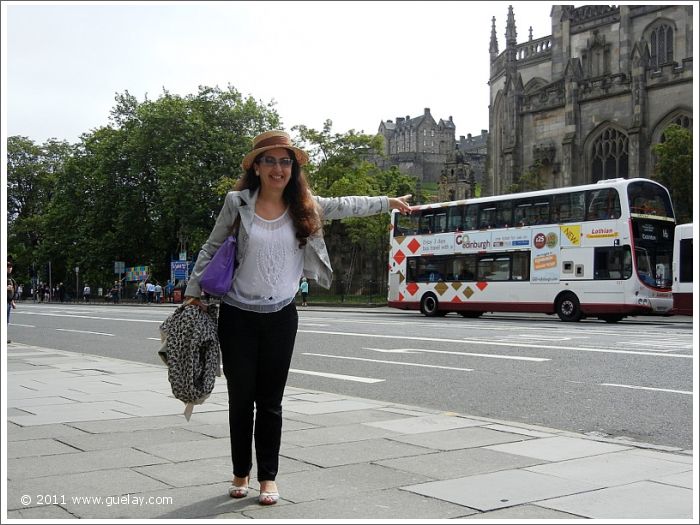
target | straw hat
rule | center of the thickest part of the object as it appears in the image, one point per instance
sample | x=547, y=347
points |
x=272, y=140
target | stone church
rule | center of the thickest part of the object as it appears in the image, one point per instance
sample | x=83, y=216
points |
x=590, y=100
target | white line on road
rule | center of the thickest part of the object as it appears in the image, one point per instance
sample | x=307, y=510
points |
x=649, y=388
x=83, y=332
x=390, y=362
x=337, y=376
x=24, y=325
x=93, y=317
x=154, y=338
x=495, y=356
x=495, y=343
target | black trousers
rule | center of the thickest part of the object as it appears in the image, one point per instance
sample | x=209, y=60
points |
x=257, y=352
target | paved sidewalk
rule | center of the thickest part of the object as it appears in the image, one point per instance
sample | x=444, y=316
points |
x=83, y=427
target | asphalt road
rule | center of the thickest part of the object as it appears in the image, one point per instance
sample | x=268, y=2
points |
x=633, y=379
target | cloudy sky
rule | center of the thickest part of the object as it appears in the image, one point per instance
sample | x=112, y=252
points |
x=356, y=63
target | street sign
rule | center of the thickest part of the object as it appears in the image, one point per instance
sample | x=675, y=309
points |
x=119, y=267
x=179, y=269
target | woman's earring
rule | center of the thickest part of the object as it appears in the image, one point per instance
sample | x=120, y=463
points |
x=257, y=173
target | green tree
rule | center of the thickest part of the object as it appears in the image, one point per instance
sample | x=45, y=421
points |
x=33, y=172
x=674, y=169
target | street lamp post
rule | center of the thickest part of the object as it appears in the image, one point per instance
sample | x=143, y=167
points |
x=77, y=285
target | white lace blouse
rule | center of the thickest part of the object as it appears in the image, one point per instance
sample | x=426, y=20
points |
x=270, y=267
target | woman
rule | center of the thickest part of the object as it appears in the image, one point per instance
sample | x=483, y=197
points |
x=279, y=240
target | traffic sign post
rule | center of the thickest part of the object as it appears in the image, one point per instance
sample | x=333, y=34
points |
x=77, y=281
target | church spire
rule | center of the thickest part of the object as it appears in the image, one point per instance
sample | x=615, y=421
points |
x=493, y=47
x=511, y=33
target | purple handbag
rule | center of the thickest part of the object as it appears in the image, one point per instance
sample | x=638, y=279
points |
x=217, y=276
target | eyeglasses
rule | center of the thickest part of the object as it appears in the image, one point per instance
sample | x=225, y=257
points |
x=285, y=162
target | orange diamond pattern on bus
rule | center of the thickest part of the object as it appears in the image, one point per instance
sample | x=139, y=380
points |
x=401, y=278
x=412, y=288
x=399, y=256
x=456, y=286
x=482, y=285
x=413, y=245
x=440, y=288
x=468, y=292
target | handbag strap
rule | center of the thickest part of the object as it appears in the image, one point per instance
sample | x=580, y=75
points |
x=236, y=225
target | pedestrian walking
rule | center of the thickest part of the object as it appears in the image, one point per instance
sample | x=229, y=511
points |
x=158, y=291
x=304, y=290
x=169, y=288
x=151, y=292
x=11, y=289
x=279, y=239
x=86, y=293
x=141, y=292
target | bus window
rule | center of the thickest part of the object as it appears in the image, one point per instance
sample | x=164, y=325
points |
x=644, y=266
x=426, y=223
x=614, y=262
x=647, y=198
x=440, y=223
x=493, y=268
x=463, y=268
x=540, y=212
x=406, y=224
x=504, y=214
x=426, y=269
x=685, y=274
x=487, y=217
x=521, y=266
x=568, y=207
x=470, y=218
x=522, y=214
x=454, y=218
x=603, y=204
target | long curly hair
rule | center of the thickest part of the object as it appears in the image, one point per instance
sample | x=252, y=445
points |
x=297, y=195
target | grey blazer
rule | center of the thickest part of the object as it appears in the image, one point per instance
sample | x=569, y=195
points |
x=317, y=265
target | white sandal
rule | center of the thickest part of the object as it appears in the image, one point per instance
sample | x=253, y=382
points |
x=236, y=491
x=268, y=498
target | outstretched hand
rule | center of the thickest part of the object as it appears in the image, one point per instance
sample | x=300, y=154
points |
x=400, y=203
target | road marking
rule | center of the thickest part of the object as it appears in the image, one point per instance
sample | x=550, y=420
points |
x=390, y=362
x=94, y=317
x=494, y=356
x=24, y=325
x=83, y=332
x=394, y=350
x=649, y=388
x=496, y=343
x=154, y=338
x=337, y=376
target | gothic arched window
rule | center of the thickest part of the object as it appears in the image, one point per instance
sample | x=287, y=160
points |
x=661, y=46
x=609, y=157
x=683, y=121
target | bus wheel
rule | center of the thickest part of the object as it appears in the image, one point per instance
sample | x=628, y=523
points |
x=429, y=305
x=611, y=318
x=469, y=314
x=568, y=307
